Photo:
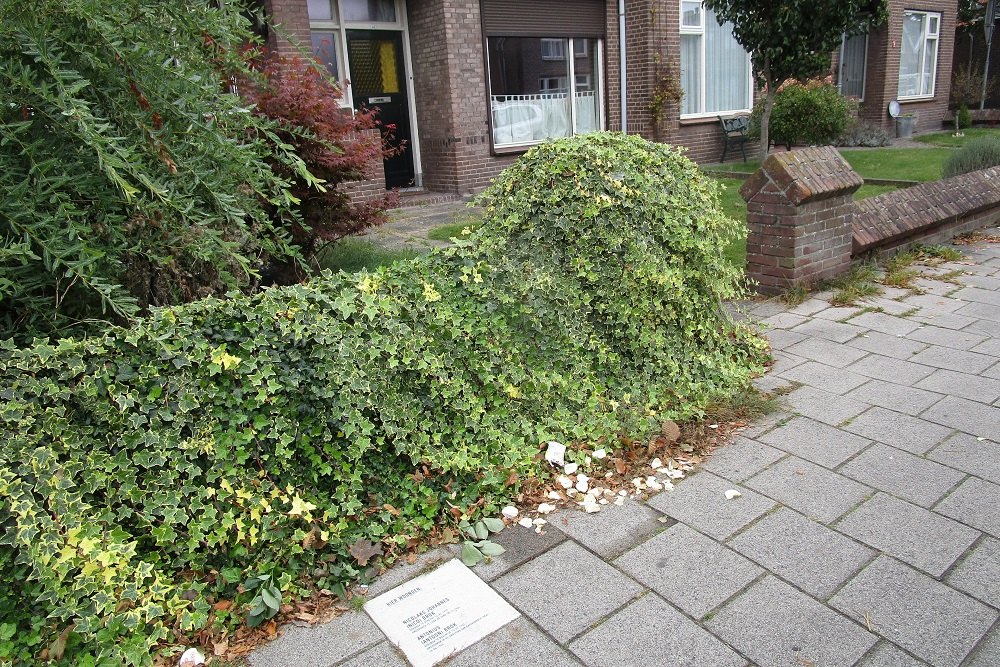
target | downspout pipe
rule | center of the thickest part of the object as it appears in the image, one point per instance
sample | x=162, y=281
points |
x=623, y=74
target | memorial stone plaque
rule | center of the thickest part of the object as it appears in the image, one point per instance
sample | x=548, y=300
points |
x=440, y=613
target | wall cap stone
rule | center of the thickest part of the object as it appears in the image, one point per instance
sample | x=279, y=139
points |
x=803, y=175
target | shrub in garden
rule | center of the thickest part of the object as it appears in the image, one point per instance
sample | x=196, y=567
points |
x=861, y=132
x=811, y=113
x=129, y=175
x=335, y=144
x=977, y=154
x=294, y=436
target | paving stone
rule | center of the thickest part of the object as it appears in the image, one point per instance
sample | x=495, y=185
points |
x=783, y=361
x=890, y=346
x=979, y=295
x=985, y=327
x=566, y=590
x=766, y=423
x=975, y=502
x=700, y=501
x=985, y=282
x=777, y=626
x=785, y=320
x=321, y=645
x=901, y=431
x=611, y=531
x=889, y=655
x=380, y=655
x=815, y=441
x=824, y=406
x=979, y=574
x=827, y=352
x=934, y=622
x=983, y=311
x=771, y=383
x=952, y=383
x=970, y=454
x=809, y=555
x=890, y=369
x=650, y=632
x=810, y=306
x=993, y=372
x=821, y=376
x=987, y=654
x=902, y=474
x=767, y=308
x=912, y=534
x=933, y=288
x=741, y=459
x=884, y=323
x=960, y=340
x=944, y=320
x=520, y=643
x=895, y=397
x=835, y=331
x=934, y=302
x=889, y=306
x=990, y=346
x=521, y=544
x=402, y=571
x=956, y=360
x=782, y=338
x=812, y=490
x=838, y=313
x=688, y=569
x=965, y=415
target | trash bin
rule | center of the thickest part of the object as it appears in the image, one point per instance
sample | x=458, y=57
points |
x=904, y=126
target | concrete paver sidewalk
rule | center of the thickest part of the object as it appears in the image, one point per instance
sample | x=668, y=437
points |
x=867, y=533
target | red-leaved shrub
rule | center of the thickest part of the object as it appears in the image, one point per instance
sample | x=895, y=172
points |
x=338, y=146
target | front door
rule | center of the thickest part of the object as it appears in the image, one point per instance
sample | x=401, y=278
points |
x=376, y=75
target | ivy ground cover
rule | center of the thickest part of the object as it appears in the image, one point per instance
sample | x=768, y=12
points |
x=190, y=472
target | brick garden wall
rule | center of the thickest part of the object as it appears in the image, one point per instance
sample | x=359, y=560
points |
x=804, y=226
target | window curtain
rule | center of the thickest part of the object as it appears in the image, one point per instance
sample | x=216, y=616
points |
x=910, y=55
x=691, y=73
x=727, y=73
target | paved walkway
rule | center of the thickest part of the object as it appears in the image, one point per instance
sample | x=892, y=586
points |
x=867, y=533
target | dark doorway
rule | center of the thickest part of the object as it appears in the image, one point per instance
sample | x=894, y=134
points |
x=377, y=82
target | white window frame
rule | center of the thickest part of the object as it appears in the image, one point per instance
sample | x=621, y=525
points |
x=699, y=30
x=584, y=82
x=571, y=76
x=553, y=48
x=927, y=37
x=545, y=84
x=581, y=48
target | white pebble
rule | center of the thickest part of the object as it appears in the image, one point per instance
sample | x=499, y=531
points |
x=510, y=512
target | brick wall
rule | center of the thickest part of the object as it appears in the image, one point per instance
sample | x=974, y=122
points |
x=927, y=213
x=799, y=214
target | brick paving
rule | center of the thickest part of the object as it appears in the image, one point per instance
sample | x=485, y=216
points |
x=867, y=535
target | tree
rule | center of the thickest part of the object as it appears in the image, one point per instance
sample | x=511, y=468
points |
x=130, y=173
x=793, y=39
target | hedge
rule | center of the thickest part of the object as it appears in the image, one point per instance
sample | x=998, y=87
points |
x=146, y=472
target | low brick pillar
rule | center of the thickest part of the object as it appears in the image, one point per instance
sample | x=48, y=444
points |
x=800, y=212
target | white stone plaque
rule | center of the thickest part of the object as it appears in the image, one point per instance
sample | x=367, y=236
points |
x=440, y=613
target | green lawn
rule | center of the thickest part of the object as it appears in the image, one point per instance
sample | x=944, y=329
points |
x=353, y=254
x=904, y=164
x=454, y=229
x=946, y=139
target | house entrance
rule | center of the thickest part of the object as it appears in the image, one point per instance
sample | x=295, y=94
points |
x=375, y=60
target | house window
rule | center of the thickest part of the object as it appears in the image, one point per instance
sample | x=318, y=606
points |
x=715, y=69
x=853, y=58
x=918, y=54
x=553, y=49
x=537, y=93
x=325, y=33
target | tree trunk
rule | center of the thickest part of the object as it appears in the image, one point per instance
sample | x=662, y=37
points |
x=765, y=121
x=765, y=117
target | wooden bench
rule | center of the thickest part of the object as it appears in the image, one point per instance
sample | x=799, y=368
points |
x=734, y=133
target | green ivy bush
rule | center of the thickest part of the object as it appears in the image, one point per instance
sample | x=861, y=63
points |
x=146, y=473
x=811, y=113
x=980, y=153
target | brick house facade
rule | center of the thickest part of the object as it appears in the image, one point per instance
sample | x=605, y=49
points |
x=448, y=56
